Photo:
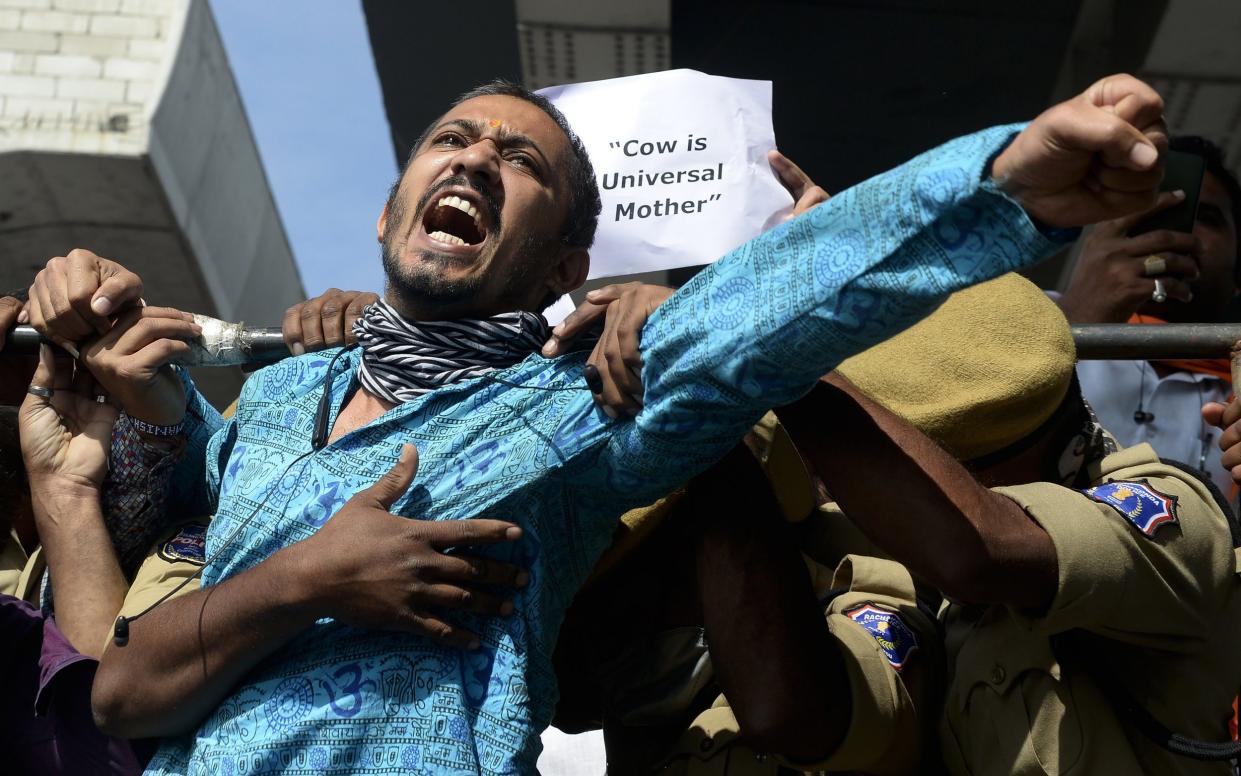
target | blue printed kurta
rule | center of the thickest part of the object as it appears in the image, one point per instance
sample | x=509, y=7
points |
x=752, y=331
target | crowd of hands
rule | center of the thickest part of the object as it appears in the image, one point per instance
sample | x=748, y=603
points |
x=92, y=309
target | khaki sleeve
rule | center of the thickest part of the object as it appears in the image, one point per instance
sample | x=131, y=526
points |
x=12, y=561
x=892, y=652
x=176, y=557
x=786, y=472
x=30, y=583
x=1143, y=558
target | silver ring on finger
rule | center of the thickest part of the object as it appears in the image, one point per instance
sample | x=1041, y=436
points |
x=1154, y=265
x=40, y=391
x=1160, y=294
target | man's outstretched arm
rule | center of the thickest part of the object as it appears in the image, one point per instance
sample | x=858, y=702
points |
x=757, y=328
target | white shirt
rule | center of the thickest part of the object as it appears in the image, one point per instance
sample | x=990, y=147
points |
x=572, y=755
x=1118, y=389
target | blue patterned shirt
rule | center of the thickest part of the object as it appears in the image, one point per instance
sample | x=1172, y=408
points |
x=754, y=330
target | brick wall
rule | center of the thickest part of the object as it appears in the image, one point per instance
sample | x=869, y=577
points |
x=81, y=73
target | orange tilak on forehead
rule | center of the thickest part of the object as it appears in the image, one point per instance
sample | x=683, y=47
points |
x=493, y=123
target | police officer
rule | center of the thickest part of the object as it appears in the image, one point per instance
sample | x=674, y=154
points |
x=174, y=558
x=823, y=663
x=52, y=641
x=1093, y=610
x=723, y=635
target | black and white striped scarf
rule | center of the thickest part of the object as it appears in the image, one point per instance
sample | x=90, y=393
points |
x=403, y=359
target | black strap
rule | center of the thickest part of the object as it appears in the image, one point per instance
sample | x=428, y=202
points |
x=1069, y=652
x=1175, y=743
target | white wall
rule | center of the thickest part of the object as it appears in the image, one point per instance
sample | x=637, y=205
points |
x=81, y=75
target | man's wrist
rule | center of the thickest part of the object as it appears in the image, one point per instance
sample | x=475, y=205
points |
x=296, y=585
x=67, y=486
x=157, y=437
x=162, y=403
x=62, y=498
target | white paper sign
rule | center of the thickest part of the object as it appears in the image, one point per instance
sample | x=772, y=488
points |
x=559, y=310
x=681, y=160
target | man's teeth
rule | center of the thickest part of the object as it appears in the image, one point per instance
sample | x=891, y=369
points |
x=445, y=237
x=460, y=204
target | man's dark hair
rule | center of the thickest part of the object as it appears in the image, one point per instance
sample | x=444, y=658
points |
x=584, y=202
x=1214, y=157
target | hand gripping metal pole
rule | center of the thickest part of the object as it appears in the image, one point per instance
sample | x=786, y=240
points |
x=232, y=344
x=221, y=344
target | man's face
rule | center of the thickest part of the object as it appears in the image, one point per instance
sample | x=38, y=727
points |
x=475, y=226
x=1216, y=284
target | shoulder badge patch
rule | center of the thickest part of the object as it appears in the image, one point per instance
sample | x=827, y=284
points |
x=1137, y=502
x=890, y=632
x=190, y=544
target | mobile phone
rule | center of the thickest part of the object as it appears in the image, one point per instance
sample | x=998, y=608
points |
x=1183, y=171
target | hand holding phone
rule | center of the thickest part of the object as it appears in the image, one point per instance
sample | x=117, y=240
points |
x=1182, y=171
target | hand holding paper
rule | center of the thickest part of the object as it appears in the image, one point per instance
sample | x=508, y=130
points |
x=805, y=193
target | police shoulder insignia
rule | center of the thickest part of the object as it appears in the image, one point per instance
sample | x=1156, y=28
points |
x=1137, y=502
x=890, y=632
x=189, y=544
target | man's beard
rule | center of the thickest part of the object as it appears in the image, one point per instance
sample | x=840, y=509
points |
x=425, y=284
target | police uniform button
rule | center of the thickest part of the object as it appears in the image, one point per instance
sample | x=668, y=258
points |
x=997, y=674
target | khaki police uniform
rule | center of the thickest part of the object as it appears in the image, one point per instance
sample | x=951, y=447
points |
x=13, y=559
x=891, y=648
x=1147, y=595
x=176, y=556
x=891, y=653
x=781, y=464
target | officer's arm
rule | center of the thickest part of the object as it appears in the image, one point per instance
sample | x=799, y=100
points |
x=64, y=447
x=919, y=504
x=780, y=669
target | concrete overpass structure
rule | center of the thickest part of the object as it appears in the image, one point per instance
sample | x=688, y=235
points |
x=122, y=131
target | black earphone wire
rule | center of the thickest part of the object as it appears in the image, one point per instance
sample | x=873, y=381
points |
x=120, y=629
x=1140, y=415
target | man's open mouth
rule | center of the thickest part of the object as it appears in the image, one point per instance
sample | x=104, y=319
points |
x=453, y=221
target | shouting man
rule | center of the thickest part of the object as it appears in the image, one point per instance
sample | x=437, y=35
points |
x=320, y=641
